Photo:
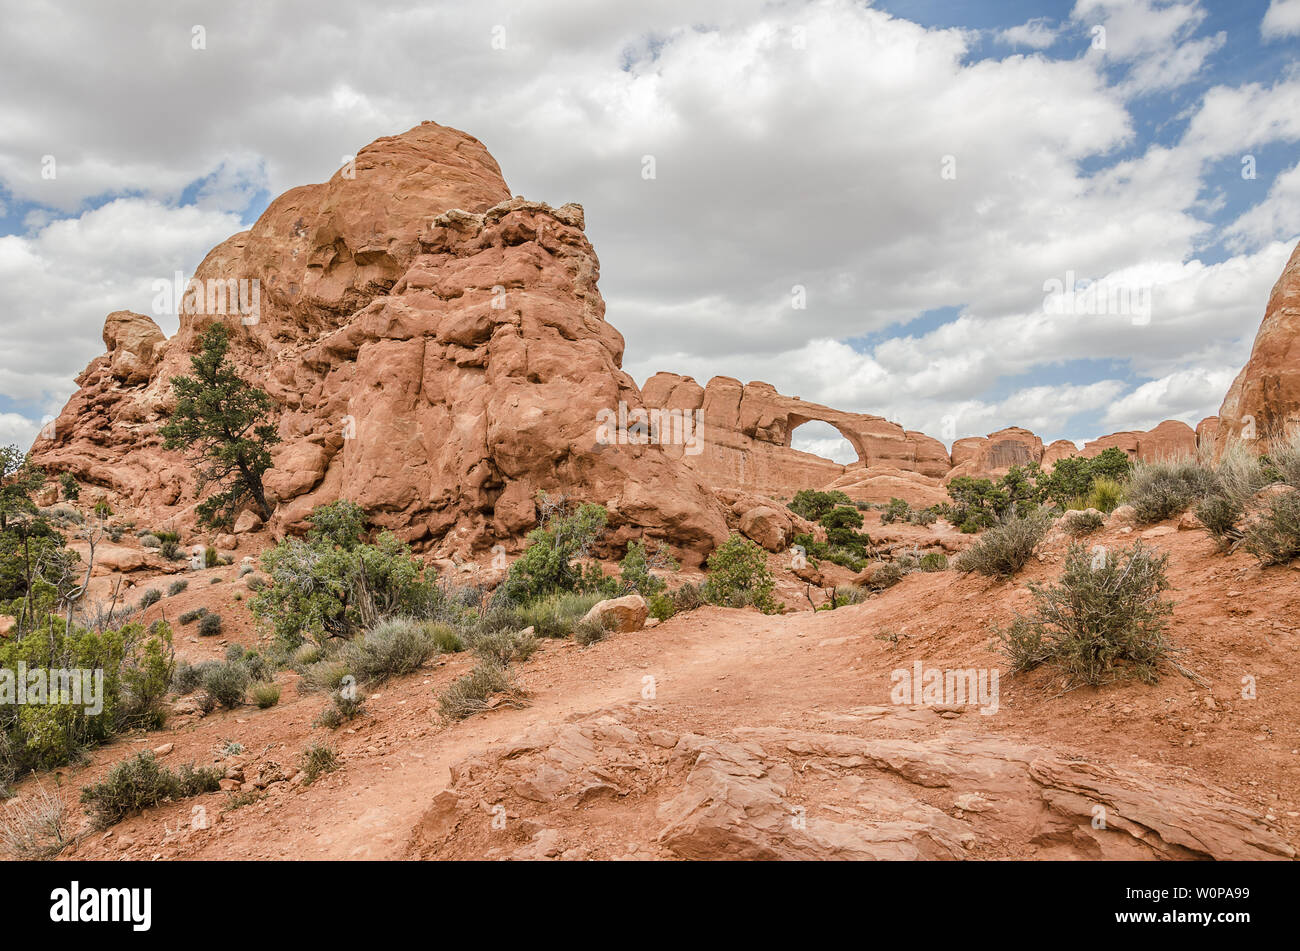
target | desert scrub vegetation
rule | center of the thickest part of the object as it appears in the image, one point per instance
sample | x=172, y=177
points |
x=34, y=827
x=812, y=504
x=1103, y=621
x=137, y=666
x=346, y=704
x=737, y=576
x=150, y=598
x=1080, y=523
x=176, y=587
x=1163, y=490
x=140, y=782
x=265, y=694
x=225, y=683
x=317, y=760
x=487, y=686
x=1274, y=537
x=335, y=584
x=210, y=625
x=1003, y=550
x=898, y=510
x=840, y=520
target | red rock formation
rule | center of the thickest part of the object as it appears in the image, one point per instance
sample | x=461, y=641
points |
x=1264, y=399
x=438, y=351
x=1172, y=439
x=744, y=434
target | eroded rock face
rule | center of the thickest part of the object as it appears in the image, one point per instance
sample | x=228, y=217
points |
x=775, y=793
x=744, y=431
x=1264, y=399
x=437, y=350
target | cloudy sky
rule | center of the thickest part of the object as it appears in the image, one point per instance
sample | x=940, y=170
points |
x=870, y=205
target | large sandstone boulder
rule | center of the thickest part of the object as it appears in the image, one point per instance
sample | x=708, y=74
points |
x=438, y=354
x=134, y=344
x=620, y=615
x=1264, y=399
x=767, y=525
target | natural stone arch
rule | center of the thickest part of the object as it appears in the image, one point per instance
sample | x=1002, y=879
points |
x=795, y=420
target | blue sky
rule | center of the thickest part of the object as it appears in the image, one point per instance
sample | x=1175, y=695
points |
x=797, y=145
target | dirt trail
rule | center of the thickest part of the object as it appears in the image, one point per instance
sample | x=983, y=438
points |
x=729, y=673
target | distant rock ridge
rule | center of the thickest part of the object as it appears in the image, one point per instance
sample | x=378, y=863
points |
x=439, y=353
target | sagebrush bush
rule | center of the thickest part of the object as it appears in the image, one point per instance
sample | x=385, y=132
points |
x=470, y=694
x=226, y=683
x=34, y=826
x=176, y=587
x=140, y=782
x=1006, y=548
x=502, y=647
x=189, y=677
x=318, y=759
x=737, y=574
x=1220, y=513
x=1104, y=620
x=189, y=617
x=588, y=631
x=389, y=649
x=1274, y=538
x=1283, y=459
x=932, y=561
x=345, y=705
x=265, y=694
x=688, y=597
x=1081, y=523
x=150, y=598
x=210, y=625
x=1163, y=490
x=554, y=615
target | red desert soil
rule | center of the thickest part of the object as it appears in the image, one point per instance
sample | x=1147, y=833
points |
x=773, y=736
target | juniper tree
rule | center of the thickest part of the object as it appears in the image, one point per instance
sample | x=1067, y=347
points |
x=219, y=421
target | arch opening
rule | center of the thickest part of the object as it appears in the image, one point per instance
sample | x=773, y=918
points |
x=822, y=439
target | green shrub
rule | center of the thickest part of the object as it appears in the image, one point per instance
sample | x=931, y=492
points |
x=189, y=617
x=1076, y=478
x=225, y=683
x=446, y=638
x=812, y=504
x=68, y=487
x=896, y=511
x=344, y=707
x=1006, y=548
x=471, y=694
x=887, y=574
x=137, y=666
x=635, y=570
x=1104, y=620
x=150, y=598
x=317, y=760
x=265, y=694
x=141, y=782
x=1163, y=490
x=1081, y=523
x=1275, y=537
x=502, y=647
x=1220, y=513
x=336, y=585
x=661, y=606
x=210, y=625
x=548, y=564
x=554, y=615
x=1106, y=495
x=933, y=561
x=589, y=631
x=176, y=587
x=150, y=541
x=211, y=557
x=737, y=570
